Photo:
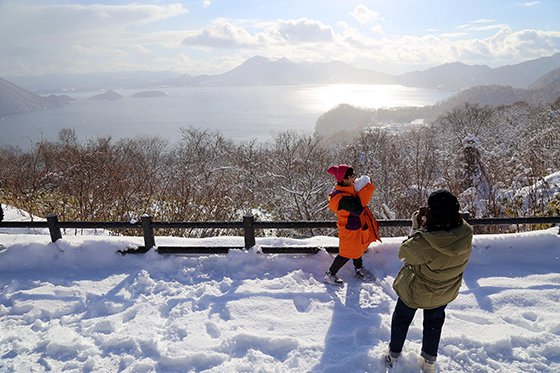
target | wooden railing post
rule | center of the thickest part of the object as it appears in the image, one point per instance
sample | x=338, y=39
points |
x=149, y=240
x=249, y=230
x=52, y=221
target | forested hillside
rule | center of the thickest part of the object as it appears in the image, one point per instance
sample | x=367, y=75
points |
x=344, y=121
x=495, y=159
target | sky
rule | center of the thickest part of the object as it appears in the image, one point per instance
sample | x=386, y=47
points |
x=78, y=306
x=213, y=36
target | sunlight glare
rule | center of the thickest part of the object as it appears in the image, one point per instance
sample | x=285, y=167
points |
x=325, y=97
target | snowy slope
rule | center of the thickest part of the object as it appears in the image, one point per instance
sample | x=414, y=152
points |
x=77, y=306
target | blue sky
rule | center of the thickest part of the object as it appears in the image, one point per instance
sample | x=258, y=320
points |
x=213, y=36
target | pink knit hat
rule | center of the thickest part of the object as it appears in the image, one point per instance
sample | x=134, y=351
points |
x=338, y=171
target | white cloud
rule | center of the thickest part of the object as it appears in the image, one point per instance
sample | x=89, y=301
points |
x=483, y=20
x=364, y=15
x=453, y=35
x=397, y=54
x=100, y=52
x=305, y=31
x=378, y=29
x=481, y=25
x=354, y=40
x=505, y=46
x=221, y=34
x=73, y=38
x=74, y=18
x=224, y=34
x=527, y=4
x=140, y=49
x=485, y=28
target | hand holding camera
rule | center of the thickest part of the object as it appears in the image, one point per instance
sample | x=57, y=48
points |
x=419, y=217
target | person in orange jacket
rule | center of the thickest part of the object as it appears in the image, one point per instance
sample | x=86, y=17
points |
x=357, y=227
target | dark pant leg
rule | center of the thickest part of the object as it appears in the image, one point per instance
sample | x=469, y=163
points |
x=402, y=318
x=433, y=323
x=338, y=262
x=358, y=263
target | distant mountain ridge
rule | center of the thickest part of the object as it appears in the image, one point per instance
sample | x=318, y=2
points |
x=264, y=71
x=552, y=77
x=451, y=76
x=14, y=100
x=260, y=70
x=458, y=76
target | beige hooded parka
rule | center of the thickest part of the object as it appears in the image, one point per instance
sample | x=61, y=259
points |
x=434, y=263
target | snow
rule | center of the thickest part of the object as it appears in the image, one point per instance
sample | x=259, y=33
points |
x=78, y=306
x=542, y=190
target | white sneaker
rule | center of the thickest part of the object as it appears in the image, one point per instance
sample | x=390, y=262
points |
x=364, y=274
x=333, y=279
x=429, y=366
x=390, y=361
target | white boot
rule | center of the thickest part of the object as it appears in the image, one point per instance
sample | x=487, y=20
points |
x=429, y=366
x=333, y=279
x=364, y=274
x=390, y=359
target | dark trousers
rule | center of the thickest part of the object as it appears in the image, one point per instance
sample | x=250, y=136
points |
x=433, y=323
x=339, y=261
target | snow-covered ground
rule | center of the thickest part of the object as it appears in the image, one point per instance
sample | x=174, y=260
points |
x=78, y=306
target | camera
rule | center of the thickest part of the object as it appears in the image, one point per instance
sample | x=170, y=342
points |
x=421, y=217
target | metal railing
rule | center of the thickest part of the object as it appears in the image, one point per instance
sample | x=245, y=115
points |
x=249, y=225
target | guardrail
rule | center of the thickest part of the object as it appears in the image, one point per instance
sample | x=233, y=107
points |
x=248, y=225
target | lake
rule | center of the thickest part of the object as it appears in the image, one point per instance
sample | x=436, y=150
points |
x=239, y=113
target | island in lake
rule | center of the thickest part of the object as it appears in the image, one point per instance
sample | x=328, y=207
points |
x=110, y=95
x=149, y=94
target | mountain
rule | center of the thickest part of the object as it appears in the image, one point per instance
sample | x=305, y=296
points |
x=545, y=90
x=264, y=71
x=184, y=79
x=523, y=75
x=457, y=76
x=14, y=100
x=88, y=82
x=449, y=76
x=552, y=77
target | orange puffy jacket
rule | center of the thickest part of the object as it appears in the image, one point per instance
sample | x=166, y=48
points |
x=357, y=227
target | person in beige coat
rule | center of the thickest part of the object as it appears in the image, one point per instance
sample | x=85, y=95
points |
x=435, y=256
